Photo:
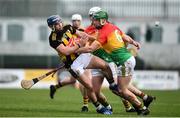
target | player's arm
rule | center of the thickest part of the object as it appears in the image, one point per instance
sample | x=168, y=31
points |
x=129, y=40
x=66, y=50
x=84, y=35
x=89, y=48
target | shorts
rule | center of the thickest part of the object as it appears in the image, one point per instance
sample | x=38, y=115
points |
x=81, y=63
x=63, y=74
x=98, y=72
x=127, y=69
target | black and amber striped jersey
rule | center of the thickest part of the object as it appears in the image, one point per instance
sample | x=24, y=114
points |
x=65, y=37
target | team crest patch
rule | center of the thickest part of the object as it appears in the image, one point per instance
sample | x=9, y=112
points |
x=54, y=36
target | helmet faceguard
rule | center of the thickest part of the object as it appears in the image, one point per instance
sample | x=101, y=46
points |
x=102, y=16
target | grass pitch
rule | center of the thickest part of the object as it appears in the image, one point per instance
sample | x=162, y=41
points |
x=68, y=101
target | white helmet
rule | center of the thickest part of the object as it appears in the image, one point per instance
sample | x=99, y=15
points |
x=76, y=17
x=94, y=10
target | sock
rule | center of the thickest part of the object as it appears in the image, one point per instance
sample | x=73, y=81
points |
x=85, y=101
x=143, y=96
x=58, y=85
x=135, y=102
x=109, y=107
x=111, y=81
x=138, y=107
x=126, y=104
x=105, y=104
x=97, y=105
x=112, y=84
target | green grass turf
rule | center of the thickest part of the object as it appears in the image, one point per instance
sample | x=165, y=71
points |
x=68, y=101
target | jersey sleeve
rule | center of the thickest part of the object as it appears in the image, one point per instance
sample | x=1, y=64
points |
x=80, y=29
x=70, y=28
x=90, y=30
x=54, y=43
x=87, y=29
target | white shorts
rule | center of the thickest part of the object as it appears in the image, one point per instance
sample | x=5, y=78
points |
x=81, y=63
x=127, y=69
x=63, y=74
x=98, y=72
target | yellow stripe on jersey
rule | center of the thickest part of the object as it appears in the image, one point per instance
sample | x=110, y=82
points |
x=65, y=41
x=114, y=41
x=68, y=33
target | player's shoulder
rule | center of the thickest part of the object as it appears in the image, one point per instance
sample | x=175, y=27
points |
x=81, y=29
x=111, y=27
x=67, y=26
x=70, y=28
x=107, y=27
x=90, y=28
x=53, y=40
x=52, y=34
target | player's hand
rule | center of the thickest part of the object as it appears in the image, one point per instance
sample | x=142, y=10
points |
x=81, y=42
x=84, y=36
x=137, y=44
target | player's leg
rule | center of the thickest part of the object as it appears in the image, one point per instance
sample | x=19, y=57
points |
x=77, y=70
x=125, y=73
x=64, y=78
x=97, y=80
x=84, y=92
x=86, y=82
x=147, y=99
x=97, y=63
x=125, y=102
x=126, y=94
x=85, y=98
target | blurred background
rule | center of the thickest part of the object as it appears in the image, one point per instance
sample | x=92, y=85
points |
x=154, y=23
